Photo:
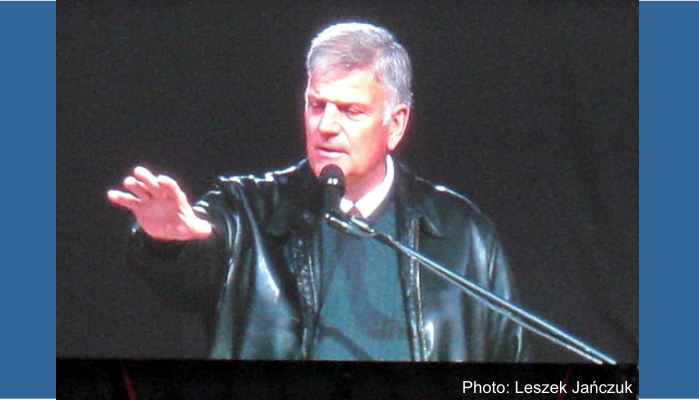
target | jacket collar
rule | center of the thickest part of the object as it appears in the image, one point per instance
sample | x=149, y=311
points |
x=415, y=198
x=296, y=199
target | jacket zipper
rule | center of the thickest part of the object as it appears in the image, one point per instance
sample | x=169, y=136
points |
x=415, y=266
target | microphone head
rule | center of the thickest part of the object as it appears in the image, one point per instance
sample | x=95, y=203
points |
x=332, y=175
x=332, y=182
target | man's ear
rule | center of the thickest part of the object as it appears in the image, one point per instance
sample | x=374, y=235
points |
x=398, y=124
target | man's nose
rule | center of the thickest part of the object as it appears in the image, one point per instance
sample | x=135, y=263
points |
x=330, y=121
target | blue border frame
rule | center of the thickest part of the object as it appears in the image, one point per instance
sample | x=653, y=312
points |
x=669, y=99
x=27, y=162
x=669, y=104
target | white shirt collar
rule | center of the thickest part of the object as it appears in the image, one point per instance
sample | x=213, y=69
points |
x=372, y=200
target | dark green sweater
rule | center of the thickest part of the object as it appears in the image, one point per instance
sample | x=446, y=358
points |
x=362, y=313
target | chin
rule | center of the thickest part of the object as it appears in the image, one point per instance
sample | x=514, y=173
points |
x=319, y=164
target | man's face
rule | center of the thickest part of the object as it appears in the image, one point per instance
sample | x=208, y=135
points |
x=345, y=125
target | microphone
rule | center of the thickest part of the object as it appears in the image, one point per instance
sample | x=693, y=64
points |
x=332, y=182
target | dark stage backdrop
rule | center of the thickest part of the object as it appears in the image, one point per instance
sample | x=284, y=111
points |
x=528, y=108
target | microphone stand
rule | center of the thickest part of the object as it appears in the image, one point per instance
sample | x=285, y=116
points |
x=361, y=228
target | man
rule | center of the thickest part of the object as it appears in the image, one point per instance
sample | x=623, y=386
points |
x=275, y=281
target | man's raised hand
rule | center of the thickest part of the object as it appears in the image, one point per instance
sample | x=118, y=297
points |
x=160, y=207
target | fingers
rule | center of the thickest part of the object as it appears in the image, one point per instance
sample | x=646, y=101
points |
x=126, y=200
x=144, y=185
x=136, y=187
x=171, y=189
x=147, y=178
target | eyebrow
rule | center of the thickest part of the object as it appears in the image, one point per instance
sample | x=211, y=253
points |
x=340, y=104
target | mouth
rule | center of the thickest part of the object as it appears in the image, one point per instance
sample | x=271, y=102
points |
x=330, y=152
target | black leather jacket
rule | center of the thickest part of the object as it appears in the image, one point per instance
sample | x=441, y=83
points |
x=256, y=280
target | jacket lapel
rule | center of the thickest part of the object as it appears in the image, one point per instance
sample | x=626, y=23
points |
x=415, y=213
x=293, y=219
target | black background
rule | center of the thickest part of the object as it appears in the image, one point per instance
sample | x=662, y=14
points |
x=528, y=108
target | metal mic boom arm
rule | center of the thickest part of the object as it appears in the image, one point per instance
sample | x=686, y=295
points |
x=361, y=228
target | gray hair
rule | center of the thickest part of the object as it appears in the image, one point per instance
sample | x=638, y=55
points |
x=352, y=46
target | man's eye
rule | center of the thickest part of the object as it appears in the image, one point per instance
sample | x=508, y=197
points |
x=316, y=105
x=354, y=112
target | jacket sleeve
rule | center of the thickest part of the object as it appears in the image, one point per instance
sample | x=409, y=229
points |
x=188, y=274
